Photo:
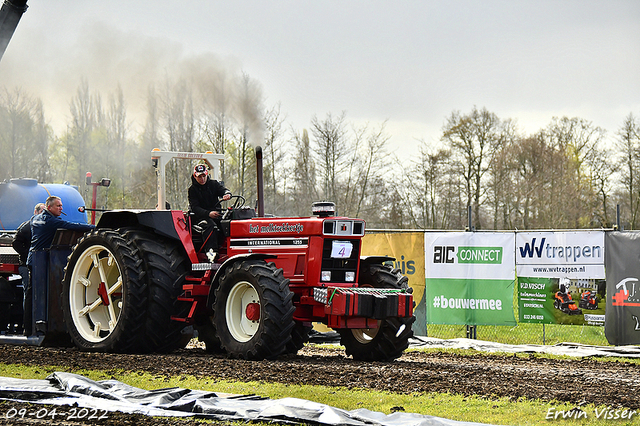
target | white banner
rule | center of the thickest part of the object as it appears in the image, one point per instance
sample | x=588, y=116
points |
x=573, y=255
x=469, y=255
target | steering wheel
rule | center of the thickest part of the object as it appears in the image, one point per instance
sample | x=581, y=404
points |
x=238, y=202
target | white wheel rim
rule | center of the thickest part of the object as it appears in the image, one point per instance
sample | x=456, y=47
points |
x=94, y=319
x=240, y=327
x=365, y=335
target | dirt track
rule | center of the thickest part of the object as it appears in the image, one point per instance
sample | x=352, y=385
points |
x=576, y=381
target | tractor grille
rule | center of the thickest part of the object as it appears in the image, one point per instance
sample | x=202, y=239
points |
x=338, y=266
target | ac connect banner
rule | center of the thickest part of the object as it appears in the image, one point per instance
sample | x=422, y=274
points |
x=470, y=278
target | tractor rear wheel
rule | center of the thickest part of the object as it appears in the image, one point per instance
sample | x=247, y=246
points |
x=165, y=269
x=120, y=291
x=299, y=336
x=104, y=294
x=253, y=310
x=207, y=334
x=391, y=337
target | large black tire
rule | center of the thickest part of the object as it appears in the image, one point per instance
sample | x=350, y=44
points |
x=207, y=334
x=139, y=277
x=391, y=338
x=299, y=336
x=104, y=299
x=253, y=310
x=165, y=266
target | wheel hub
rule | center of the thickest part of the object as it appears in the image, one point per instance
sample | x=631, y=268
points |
x=103, y=293
x=253, y=312
x=242, y=311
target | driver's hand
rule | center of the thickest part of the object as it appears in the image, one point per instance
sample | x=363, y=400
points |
x=226, y=197
x=213, y=214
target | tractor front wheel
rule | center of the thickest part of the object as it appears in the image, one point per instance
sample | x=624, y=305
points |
x=253, y=310
x=391, y=337
x=207, y=335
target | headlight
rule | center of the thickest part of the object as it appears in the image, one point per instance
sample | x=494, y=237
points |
x=325, y=276
x=350, y=276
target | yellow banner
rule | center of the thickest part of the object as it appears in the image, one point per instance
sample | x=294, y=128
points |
x=408, y=250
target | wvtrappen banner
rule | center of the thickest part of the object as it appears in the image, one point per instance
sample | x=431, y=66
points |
x=408, y=250
x=561, y=277
x=470, y=278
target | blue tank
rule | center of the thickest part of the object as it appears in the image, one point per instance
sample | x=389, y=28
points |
x=18, y=197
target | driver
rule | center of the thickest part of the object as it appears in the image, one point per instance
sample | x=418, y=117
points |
x=204, y=201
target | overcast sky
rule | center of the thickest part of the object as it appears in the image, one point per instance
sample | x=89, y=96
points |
x=409, y=62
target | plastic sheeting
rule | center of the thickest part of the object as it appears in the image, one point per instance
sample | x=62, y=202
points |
x=565, y=348
x=111, y=395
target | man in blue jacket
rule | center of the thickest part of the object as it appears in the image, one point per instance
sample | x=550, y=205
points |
x=43, y=229
x=44, y=226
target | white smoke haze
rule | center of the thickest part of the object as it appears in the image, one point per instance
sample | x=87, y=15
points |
x=106, y=57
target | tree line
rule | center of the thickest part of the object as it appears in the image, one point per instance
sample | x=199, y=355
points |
x=568, y=175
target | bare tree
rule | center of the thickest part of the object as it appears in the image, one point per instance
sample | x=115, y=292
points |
x=141, y=175
x=499, y=184
x=423, y=188
x=304, y=175
x=628, y=145
x=330, y=150
x=474, y=140
x=366, y=165
x=24, y=136
x=536, y=167
x=85, y=138
x=177, y=121
x=275, y=171
x=579, y=141
x=601, y=171
x=116, y=124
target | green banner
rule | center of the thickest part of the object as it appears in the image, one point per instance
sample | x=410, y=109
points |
x=473, y=302
x=561, y=301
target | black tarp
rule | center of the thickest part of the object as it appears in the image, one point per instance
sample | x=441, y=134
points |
x=622, y=263
x=111, y=395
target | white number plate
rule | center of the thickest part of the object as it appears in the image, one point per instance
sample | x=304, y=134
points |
x=341, y=249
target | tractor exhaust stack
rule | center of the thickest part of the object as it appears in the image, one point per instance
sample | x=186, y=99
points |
x=260, y=181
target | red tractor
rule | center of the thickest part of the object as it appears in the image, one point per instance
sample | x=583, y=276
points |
x=139, y=283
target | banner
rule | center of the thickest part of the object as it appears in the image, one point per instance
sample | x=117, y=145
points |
x=623, y=288
x=408, y=250
x=470, y=278
x=561, y=277
x=573, y=255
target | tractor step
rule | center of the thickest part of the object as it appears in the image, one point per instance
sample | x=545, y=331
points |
x=196, y=295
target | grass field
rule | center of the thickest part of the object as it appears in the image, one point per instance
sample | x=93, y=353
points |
x=496, y=411
x=521, y=334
